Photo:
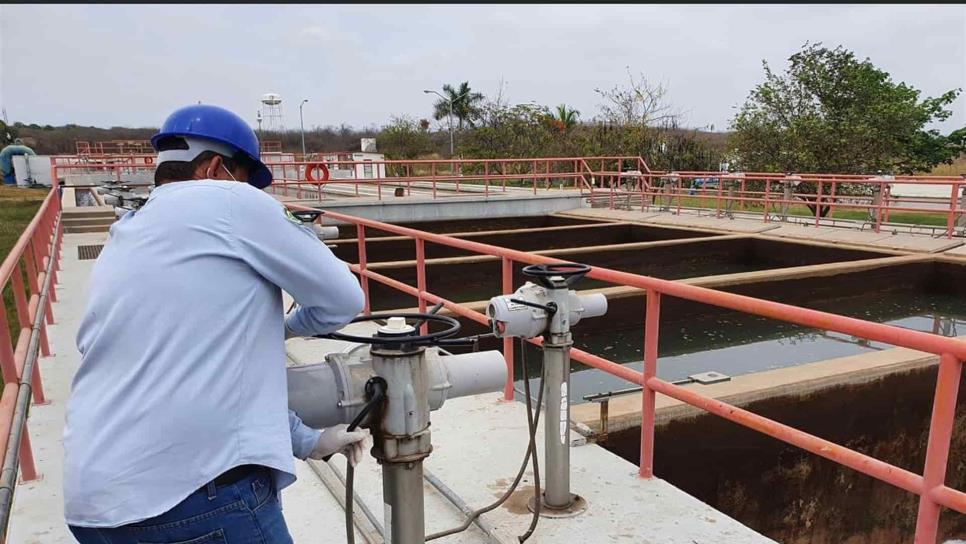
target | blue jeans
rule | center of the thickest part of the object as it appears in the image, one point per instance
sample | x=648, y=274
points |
x=245, y=512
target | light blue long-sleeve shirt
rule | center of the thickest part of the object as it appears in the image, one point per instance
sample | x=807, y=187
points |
x=182, y=373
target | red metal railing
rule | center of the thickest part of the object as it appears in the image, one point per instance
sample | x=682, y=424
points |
x=624, y=181
x=869, y=194
x=100, y=168
x=30, y=272
x=431, y=177
x=929, y=486
x=113, y=147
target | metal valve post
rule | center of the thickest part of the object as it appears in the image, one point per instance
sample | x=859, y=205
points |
x=551, y=308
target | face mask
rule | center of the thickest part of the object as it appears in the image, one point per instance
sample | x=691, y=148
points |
x=227, y=172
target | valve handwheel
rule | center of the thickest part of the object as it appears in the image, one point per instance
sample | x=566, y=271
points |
x=570, y=272
x=453, y=327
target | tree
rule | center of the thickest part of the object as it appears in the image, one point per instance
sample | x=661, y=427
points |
x=639, y=103
x=466, y=105
x=565, y=118
x=831, y=112
x=404, y=138
x=7, y=134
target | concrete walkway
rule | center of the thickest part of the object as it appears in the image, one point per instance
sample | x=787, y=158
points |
x=479, y=443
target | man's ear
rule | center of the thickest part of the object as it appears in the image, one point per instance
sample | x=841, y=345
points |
x=214, y=170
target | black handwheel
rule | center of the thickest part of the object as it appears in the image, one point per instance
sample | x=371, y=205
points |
x=412, y=339
x=307, y=216
x=570, y=272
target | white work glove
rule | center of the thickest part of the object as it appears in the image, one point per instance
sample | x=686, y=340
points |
x=337, y=439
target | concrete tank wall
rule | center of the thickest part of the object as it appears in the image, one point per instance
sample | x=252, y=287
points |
x=456, y=207
x=471, y=279
x=798, y=498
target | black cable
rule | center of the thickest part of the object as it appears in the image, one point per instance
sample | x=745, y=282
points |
x=532, y=420
x=537, y=499
x=376, y=387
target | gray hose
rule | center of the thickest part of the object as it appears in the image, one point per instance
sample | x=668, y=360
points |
x=531, y=453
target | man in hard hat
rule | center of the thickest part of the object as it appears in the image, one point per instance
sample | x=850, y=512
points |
x=177, y=425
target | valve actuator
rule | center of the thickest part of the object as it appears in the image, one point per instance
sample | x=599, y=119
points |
x=534, y=308
x=524, y=314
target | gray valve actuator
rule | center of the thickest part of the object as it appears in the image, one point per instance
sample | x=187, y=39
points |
x=325, y=394
x=510, y=317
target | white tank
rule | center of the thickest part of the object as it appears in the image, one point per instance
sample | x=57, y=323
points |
x=271, y=99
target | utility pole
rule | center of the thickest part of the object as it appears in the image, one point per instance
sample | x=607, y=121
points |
x=302, y=126
x=450, y=115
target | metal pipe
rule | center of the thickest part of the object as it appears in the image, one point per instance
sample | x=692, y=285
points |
x=402, y=492
x=458, y=501
x=556, y=361
x=367, y=523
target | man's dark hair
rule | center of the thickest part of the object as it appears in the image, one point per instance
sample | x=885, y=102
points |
x=182, y=171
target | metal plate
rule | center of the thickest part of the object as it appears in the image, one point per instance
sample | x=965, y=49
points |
x=577, y=506
x=89, y=253
x=708, y=378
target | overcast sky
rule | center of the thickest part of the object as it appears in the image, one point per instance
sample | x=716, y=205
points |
x=361, y=64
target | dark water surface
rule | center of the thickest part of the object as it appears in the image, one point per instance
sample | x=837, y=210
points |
x=736, y=344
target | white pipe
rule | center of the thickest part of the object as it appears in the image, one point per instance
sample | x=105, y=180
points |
x=326, y=233
x=475, y=373
x=594, y=305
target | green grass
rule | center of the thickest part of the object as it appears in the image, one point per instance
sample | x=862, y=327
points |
x=17, y=208
x=929, y=219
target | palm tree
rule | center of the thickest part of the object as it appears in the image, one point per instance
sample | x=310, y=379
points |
x=466, y=104
x=566, y=117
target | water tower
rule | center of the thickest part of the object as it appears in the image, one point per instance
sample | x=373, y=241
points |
x=271, y=112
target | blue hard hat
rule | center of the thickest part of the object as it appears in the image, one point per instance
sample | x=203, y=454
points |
x=220, y=125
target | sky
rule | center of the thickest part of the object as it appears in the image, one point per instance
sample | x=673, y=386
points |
x=131, y=65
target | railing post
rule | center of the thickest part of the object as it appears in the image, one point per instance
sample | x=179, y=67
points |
x=877, y=198
x=818, y=203
x=950, y=221
x=433, y=174
x=743, y=196
x=37, y=385
x=648, y=396
x=52, y=240
x=42, y=260
x=7, y=364
x=486, y=179
x=533, y=174
x=28, y=471
x=20, y=297
x=937, y=448
x=421, y=280
x=717, y=205
x=507, y=273
x=767, y=194
x=361, y=239
x=679, y=188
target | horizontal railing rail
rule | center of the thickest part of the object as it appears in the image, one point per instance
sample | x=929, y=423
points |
x=929, y=486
